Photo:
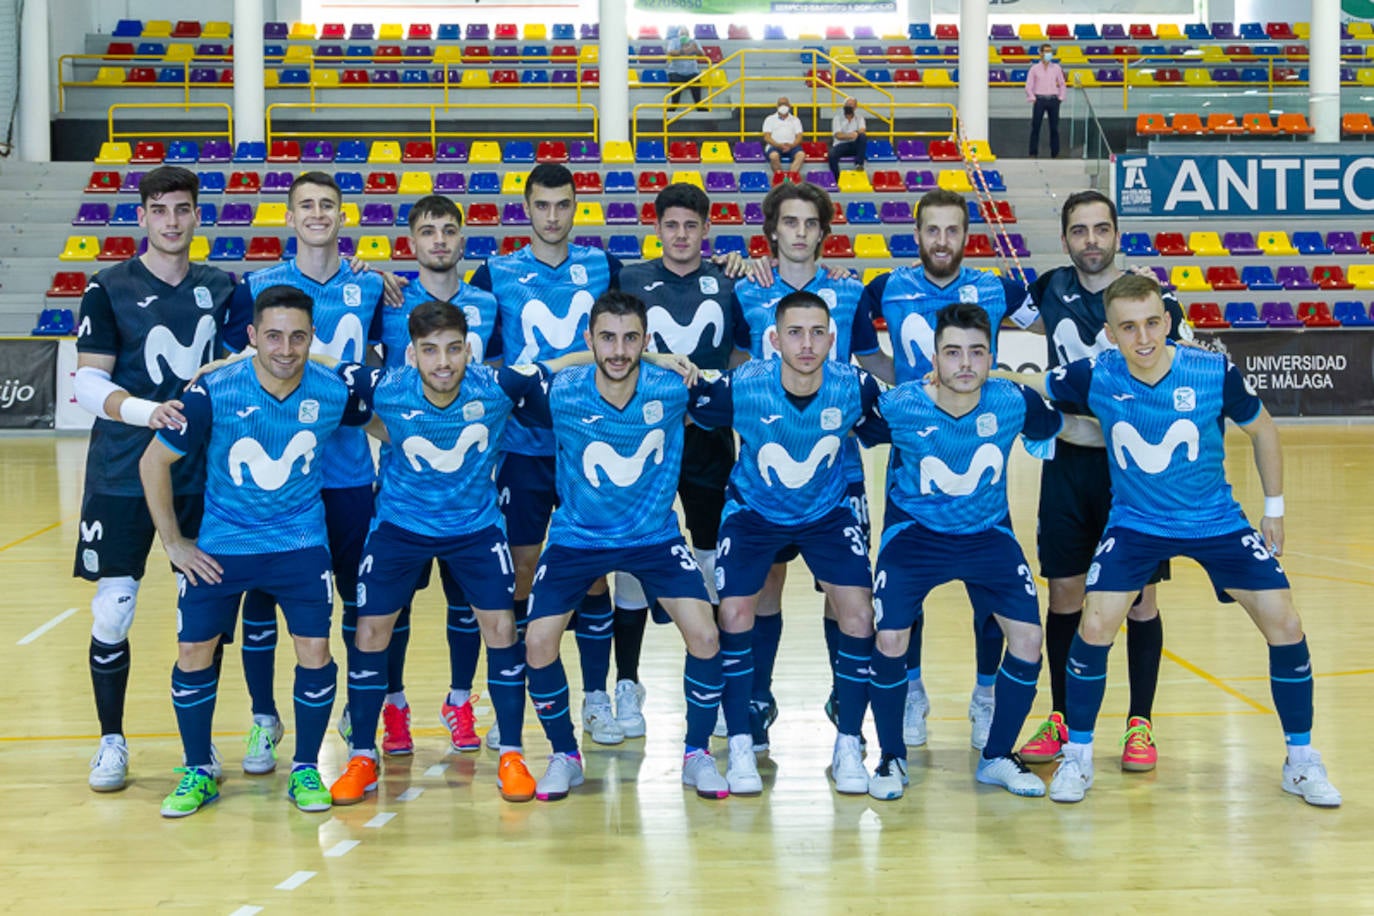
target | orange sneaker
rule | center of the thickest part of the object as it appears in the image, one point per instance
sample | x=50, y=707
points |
x=461, y=725
x=396, y=740
x=1138, y=754
x=514, y=778
x=357, y=779
x=1045, y=744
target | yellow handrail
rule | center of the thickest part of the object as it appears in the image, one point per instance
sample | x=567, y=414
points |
x=433, y=133
x=180, y=134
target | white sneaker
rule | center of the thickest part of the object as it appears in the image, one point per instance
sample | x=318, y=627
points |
x=1073, y=778
x=720, y=731
x=889, y=780
x=493, y=738
x=263, y=738
x=564, y=773
x=914, y=716
x=1011, y=774
x=699, y=771
x=598, y=720
x=980, y=710
x=629, y=708
x=742, y=771
x=110, y=765
x=847, y=766
x=1305, y=779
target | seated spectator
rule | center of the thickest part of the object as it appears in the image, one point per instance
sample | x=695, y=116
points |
x=782, y=136
x=684, y=64
x=849, y=139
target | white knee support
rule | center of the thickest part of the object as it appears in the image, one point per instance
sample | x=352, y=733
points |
x=706, y=559
x=629, y=594
x=112, y=609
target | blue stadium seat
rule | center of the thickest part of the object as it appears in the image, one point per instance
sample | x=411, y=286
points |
x=228, y=248
x=650, y=151
x=479, y=248
x=624, y=247
x=484, y=183
x=518, y=151
x=350, y=151
x=349, y=182
x=250, y=151
x=903, y=245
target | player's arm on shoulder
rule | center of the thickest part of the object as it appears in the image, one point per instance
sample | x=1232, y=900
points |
x=155, y=472
x=872, y=427
x=527, y=386
x=1180, y=331
x=234, y=337
x=674, y=362
x=1249, y=413
x=481, y=279
x=1021, y=309
x=879, y=364
x=1035, y=381
x=710, y=400
x=97, y=393
x=393, y=285
x=568, y=360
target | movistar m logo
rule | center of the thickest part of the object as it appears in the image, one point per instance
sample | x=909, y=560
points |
x=558, y=333
x=267, y=472
x=789, y=472
x=1153, y=458
x=620, y=470
x=161, y=345
x=1068, y=343
x=445, y=461
x=346, y=342
x=683, y=338
x=917, y=337
x=936, y=475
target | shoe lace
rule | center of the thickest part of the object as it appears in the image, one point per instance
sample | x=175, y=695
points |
x=1048, y=727
x=309, y=778
x=260, y=740
x=190, y=780
x=119, y=752
x=1138, y=735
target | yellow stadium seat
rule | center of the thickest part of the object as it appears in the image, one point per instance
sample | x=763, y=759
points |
x=1030, y=31
x=873, y=273
x=535, y=31
x=1198, y=76
x=589, y=213
x=484, y=152
x=302, y=31
x=447, y=54
x=1140, y=77
x=652, y=248
x=270, y=215
x=216, y=29
x=870, y=245
x=1365, y=76
x=614, y=152
x=1359, y=29
x=855, y=183
x=994, y=56
x=844, y=54
x=1082, y=77
x=1213, y=54
x=114, y=154
x=937, y=76
x=157, y=28
x=348, y=214
x=86, y=247
x=1276, y=243
x=1207, y=245
x=298, y=54
x=1070, y=54
x=391, y=31
x=1362, y=275
x=417, y=183
x=179, y=50
x=715, y=78
x=980, y=150
x=632, y=78
x=689, y=176
x=109, y=76
x=589, y=54
x=1188, y=278
x=475, y=79
x=325, y=79
x=1169, y=31
x=714, y=153
x=271, y=79
x=374, y=248
x=1303, y=30
x=810, y=36
x=200, y=248
x=384, y=151
x=955, y=180
x=512, y=182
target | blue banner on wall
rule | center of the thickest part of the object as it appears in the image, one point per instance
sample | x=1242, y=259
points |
x=1244, y=185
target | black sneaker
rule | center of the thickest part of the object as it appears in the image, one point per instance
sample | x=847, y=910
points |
x=761, y=716
x=832, y=708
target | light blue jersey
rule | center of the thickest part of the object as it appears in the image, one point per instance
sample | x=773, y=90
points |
x=478, y=305
x=1165, y=442
x=263, y=457
x=617, y=468
x=789, y=468
x=950, y=473
x=436, y=478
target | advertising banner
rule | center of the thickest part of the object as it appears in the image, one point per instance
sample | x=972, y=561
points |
x=1305, y=373
x=28, y=391
x=1243, y=185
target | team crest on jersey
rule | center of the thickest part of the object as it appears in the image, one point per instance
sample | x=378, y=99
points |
x=474, y=410
x=1185, y=399
x=578, y=274
x=653, y=412
x=352, y=295
x=309, y=412
x=968, y=295
x=831, y=418
x=709, y=286
x=986, y=424
x=203, y=297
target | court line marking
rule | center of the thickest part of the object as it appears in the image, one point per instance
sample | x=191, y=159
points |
x=31, y=535
x=1327, y=559
x=439, y=769
x=410, y=794
x=247, y=911
x=34, y=634
x=1215, y=681
x=1357, y=671
x=296, y=880
x=341, y=849
x=381, y=820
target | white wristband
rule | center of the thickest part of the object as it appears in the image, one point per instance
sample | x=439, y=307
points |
x=1273, y=507
x=137, y=411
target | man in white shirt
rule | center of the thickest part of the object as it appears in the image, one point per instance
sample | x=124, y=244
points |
x=782, y=134
x=849, y=132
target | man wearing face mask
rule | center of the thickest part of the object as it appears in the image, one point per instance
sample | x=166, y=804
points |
x=782, y=134
x=1045, y=89
x=848, y=129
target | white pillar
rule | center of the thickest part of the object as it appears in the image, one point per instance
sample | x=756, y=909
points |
x=249, y=95
x=35, y=99
x=973, y=70
x=1324, y=59
x=918, y=10
x=614, y=53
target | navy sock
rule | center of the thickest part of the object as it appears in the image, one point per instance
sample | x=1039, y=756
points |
x=831, y=628
x=702, y=685
x=549, y=693
x=1085, y=685
x=396, y=653
x=464, y=645
x=1144, y=645
x=1015, y=691
x=595, y=626
x=193, y=697
x=349, y=628
x=1059, y=635
x=260, y=651
x=506, y=686
x=852, y=655
x=767, y=635
x=913, y=649
x=887, y=694
x=110, y=683
x=367, y=688
x=737, y=664
x=987, y=644
x=522, y=612
x=629, y=641
x=1290, y=682
x=314, y=700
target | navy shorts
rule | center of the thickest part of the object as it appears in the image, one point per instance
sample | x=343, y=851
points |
x=834, y=547
x=667, y=570
x=785, y=155
x=299, y=580
x=116, y=533
x=394, y=558
x=528, y=496
x=913, y=560
x=1126, y=558
x=857, y=496
x=347, y=516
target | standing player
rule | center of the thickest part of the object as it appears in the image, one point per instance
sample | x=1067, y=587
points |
x=544, y=293
x=347, y=316
x=947, y=520
x=797, y=221
x=1075, y=487
x=619, y=430
x=266, y=424
x=909, y=298
x=1162, y=411
x=146, y=326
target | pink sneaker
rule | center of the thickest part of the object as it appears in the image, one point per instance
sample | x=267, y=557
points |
x=396, y=740
x=1047, y=741
x=461, y=725
x=1138, y=753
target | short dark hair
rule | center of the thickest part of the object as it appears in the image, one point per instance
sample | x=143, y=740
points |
x=1131, y=286
x=433, y=316
x=617, y=302
x=940, y=197
x=798, y=299
x=549, y=175
x=282, y=296
x=774, y=199
x=1080, y=199
x=965, y=315
x=434, y=205
x=686, y=196
x=168, y=178
x=323, y=179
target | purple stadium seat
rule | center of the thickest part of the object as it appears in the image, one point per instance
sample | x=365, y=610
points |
x=923, y=180
x=1280, y=315
x=215, y=151
x=622, y=213
x=238, y=213
x=753, y=213
x=450, y=183
x=721, y=183
x=1240, y=243
x=896, y=212
x=909, y=150
x=823, y=180
x=748, y=151
x=1295, y=276
x=584, y=151
x=378, y=215
x=513, y=214
x=97, y=214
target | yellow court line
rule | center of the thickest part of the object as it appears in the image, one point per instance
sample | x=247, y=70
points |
x=31, y=535
x=16, y=739
x=1215, y=681
x=1353, y=673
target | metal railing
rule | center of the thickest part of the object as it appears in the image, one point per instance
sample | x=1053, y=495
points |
x=179, y=133
x=1096, y=146
x=433, y=133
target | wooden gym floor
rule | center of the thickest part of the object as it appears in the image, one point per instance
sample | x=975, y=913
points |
x=1210, y=829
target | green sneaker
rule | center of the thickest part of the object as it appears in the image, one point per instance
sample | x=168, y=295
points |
x=308, y=791
x=195, y=791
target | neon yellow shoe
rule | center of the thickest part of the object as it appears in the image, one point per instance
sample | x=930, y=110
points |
x=196, y=790
x=1138, y=754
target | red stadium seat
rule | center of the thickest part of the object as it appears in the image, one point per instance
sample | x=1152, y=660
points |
x=263, y=248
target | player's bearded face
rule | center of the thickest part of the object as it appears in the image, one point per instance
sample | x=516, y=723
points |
x=616, y=342
x=438, y=242
x=442, y=359
x=1091, y=239
x=941, y=235
x=962, y=360
x=1139, y=329
x=171, y=220
x=282, y=337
